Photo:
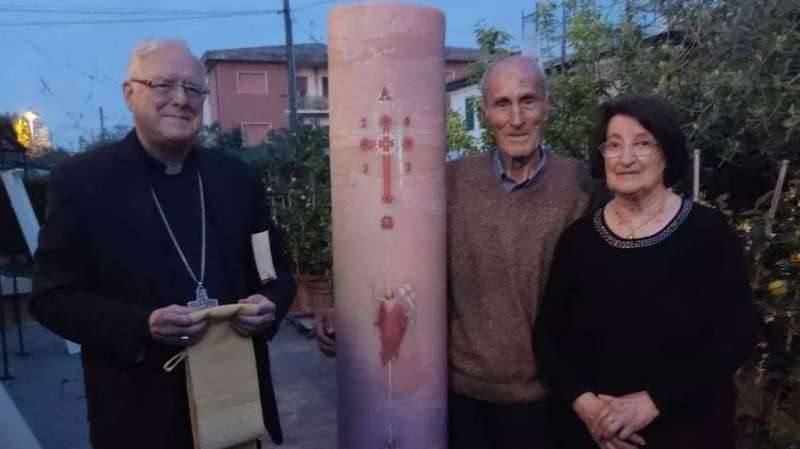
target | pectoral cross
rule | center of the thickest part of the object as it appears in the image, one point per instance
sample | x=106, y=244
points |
x=201, y=300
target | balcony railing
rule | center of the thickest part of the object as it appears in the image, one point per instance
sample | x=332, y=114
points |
x=312, y=103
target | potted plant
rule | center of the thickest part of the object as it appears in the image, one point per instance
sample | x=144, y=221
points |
x=297, y=178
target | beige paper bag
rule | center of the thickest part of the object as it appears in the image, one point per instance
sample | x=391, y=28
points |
x=222, y=384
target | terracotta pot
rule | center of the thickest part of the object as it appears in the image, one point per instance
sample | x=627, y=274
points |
x=321, y=293
x=302, y=303
x=303, y=278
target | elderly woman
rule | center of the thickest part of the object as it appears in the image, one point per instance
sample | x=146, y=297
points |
x=648, y=311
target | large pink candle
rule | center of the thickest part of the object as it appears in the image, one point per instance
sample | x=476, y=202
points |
x=387, y=126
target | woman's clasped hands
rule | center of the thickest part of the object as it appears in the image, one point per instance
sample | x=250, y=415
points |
x=614, y=422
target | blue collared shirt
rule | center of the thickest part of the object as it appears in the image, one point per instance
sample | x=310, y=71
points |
x=508, y=184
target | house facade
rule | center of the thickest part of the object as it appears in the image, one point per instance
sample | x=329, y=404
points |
x=464, y=94
x=249, y=86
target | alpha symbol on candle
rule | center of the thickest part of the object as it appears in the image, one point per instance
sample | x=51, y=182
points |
x=385, y=95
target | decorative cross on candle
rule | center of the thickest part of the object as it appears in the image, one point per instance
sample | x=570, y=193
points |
x=385, y=146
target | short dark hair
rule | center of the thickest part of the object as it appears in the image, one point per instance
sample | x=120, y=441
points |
x=656, y=116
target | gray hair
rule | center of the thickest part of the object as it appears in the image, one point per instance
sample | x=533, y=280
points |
x=148, y=46
x=541, y=79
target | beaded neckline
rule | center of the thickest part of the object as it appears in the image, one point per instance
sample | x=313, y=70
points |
x=617, y=242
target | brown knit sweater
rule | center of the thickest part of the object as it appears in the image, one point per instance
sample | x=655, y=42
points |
x=499, y=250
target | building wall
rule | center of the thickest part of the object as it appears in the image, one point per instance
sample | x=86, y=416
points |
x=315, y=76
x=249, y=96
x=210, y=112
x=235, y=102
x=455, y=69
x=312, y=101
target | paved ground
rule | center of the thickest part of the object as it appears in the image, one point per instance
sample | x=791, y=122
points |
x=48, y=390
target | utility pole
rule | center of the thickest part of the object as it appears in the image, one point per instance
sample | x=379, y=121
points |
x=290, y=68
x=563, y=37
x=102, y=125
x=531, y=46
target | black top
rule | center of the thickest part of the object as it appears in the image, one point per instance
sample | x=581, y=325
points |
x=671, y=314
x=179, y=195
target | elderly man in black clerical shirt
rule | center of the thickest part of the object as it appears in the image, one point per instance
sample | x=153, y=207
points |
x=137, y=229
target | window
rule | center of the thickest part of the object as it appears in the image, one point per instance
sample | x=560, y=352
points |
x=255, y=133
x=324, y=86
x=450, y=75
x=469, y=112
x=252, y=83
x=302, y=86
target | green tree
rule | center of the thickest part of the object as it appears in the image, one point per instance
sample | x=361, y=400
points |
x=8, y=132
x=577, y=84
x=493, y=43
x=295, y=169
x=729, y=67
x=458, y=138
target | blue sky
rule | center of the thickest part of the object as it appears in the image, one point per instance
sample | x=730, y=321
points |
x=66, y=72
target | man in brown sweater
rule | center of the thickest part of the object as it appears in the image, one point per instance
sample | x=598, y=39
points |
x=505, y=209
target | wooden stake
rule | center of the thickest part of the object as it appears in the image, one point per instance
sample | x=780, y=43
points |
x=696, y=175
x=776, y=195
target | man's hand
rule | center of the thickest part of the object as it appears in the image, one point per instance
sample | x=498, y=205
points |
x=325, y=331
x=587, y=406
x=256, y=320
x=174, y=326
x=623, y=416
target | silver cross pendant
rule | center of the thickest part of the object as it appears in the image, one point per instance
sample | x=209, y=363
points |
x=201, y=300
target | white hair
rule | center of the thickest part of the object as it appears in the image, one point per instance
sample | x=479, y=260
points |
x=541, y=79
x=148, y=46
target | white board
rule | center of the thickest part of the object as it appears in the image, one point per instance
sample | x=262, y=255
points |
x=21, y=204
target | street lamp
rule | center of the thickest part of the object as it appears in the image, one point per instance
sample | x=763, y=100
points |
x=30, y=116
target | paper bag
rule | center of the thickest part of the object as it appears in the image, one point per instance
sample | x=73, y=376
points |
x=222, y=384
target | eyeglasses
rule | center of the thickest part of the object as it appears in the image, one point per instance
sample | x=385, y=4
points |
x=166, y=87
x=613, y=149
